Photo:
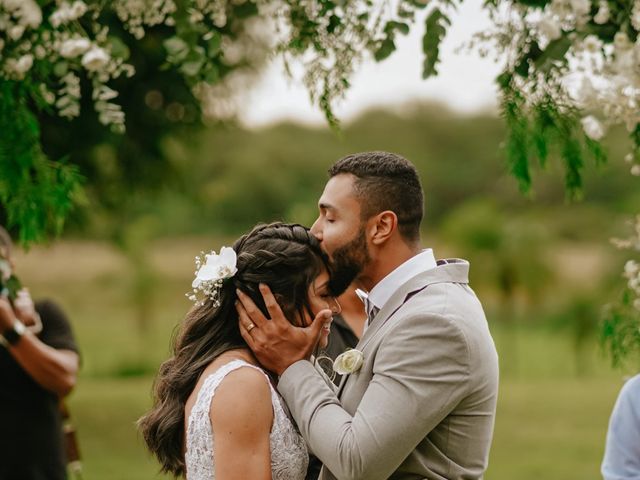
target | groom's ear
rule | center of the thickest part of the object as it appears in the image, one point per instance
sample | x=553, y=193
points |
x=383, y=227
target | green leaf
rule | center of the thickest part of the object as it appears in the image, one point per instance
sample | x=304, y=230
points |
x=534, y=3
x=504, y=80
x=418, y=3
x=436, y=29
x=214, y=44
x=212, y=74
x=392, y=26
x=334, y=23
x=177, y=48
x=386, y=48
x=513, y=111
x=191, y=69
x=406, y=12
x=61, y=68
x=554, y=52
x=245, y=10
x=119, y=49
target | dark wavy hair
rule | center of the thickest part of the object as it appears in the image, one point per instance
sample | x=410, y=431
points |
x=287, y=258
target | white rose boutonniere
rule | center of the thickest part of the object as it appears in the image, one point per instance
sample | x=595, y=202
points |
x=348, y=362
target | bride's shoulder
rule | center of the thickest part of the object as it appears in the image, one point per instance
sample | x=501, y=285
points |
x=242, y=402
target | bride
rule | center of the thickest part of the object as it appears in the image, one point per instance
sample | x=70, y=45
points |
x=216, y=412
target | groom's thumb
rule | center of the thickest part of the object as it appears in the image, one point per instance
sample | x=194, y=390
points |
x=321, y=319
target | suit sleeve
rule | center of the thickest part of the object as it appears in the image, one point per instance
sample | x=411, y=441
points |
x=420, y=373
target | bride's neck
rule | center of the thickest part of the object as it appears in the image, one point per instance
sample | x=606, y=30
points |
x=238, y=354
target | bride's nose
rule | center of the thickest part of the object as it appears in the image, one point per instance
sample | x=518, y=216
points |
x=334, y=305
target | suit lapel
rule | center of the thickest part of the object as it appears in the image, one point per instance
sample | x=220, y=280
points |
x=447, y=271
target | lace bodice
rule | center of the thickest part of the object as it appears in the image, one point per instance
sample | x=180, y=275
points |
x=289, y=457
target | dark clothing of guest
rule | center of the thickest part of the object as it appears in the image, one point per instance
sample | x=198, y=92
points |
x=31, y=440
x=341, y=339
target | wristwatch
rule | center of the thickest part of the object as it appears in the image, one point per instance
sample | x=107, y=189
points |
x=12, y=335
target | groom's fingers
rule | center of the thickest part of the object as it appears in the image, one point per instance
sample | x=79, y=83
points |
x=244, y=321
x=251, y=312
x=321, y=319
x=275, y=312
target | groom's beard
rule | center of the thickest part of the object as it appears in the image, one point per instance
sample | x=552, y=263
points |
x=347, y=262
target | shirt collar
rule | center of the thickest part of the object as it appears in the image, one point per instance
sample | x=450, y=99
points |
x=385, y=288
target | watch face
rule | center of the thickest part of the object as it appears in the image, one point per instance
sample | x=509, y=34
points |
x=19, y=328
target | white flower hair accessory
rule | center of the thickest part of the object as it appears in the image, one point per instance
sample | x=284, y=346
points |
x=348, y=362
x=211, y=271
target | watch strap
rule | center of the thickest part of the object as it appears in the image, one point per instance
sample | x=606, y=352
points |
x=12, y=335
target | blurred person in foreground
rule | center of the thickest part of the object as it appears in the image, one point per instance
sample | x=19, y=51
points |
x=418, y=398
x=38, y=367
x=213, y=392
x=622, y=452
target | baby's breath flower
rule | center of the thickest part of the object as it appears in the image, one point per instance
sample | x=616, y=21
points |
x=592, y=127
x=74, y=47
x=603, y=14
x=95, y=59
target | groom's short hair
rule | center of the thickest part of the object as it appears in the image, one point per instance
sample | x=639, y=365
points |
x=386, y=181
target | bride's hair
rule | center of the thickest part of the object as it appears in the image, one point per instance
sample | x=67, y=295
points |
x=287, y=258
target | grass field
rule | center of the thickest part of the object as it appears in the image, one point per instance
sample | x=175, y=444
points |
x=551, y=424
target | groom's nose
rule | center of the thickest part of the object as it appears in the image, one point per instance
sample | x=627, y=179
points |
x=316, y=231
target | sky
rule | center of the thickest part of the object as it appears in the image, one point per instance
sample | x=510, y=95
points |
x=465, y=81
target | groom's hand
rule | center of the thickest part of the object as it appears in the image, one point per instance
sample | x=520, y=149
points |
x=276, y=343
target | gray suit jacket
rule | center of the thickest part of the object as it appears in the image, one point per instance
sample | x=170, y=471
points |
x=423, y=404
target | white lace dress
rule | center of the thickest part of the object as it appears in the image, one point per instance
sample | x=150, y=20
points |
x=289, y=457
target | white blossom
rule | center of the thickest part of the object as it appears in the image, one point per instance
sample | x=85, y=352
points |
x=603, y=14
x=621, y=41
x=580, y=7
x=24, y=63
x=40, y=52
x=592, y=44
x=587, y=94
x=74, y=47
x=26, y=12
x=95, y=59
x=78, y=9
x=631, y=268
x=15, y=32
x=635, y=170
x=592, y=127
x=635, y=16
x=66, y=13
x=136, y=14
x=549, y=28
x=17, y=68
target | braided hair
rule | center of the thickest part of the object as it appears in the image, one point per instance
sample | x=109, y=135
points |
x=286, y=257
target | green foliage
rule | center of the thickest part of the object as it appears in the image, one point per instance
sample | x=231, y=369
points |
x=36, y=193
x=517, y=143
x=620, y=334
x=552, y=55
x=538, y=128
x=436, y=29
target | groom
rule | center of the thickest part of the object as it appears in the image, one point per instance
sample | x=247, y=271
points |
x=422, y=404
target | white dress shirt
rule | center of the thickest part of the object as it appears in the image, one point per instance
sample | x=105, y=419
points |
x=386, y=287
